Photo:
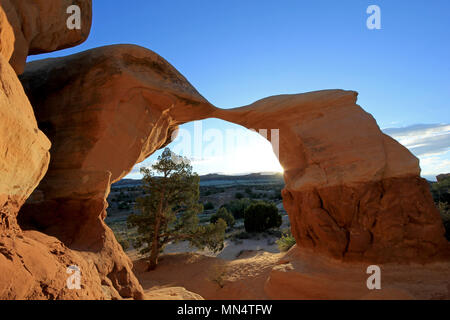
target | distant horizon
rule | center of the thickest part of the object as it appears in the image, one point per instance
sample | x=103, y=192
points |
x=427, y=177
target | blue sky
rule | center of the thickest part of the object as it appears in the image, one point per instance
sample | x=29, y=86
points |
x=236, y=52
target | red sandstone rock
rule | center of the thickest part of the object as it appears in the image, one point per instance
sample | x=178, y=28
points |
x=351, y=192
x=104, y=110
x=302, y=274
x=32, y=265
x=24, y=155
x=39, y=26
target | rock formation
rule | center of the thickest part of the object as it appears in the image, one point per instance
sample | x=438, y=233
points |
x=33, y=265
x=104, y=110
x=38, y=26
x=352, y=193
x=303, y=274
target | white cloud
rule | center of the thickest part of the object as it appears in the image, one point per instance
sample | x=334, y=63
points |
x=423, y=139
x=429, y=142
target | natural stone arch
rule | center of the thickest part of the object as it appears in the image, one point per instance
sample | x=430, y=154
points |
x=351, y=192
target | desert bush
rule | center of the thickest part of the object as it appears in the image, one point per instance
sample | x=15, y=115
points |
x=208, y=206
x=242, y=235
x=123, y=206
x=237, y=207
x=261, y=216
x=441, y=190
x=286, y=241
x=218, y=274
x=223, y=213
x=444, y=210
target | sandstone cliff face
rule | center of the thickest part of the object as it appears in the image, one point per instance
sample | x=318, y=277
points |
x=351, y=192
x=24, y=155
x=32, y=265
x=104, y=110
x=39, y=26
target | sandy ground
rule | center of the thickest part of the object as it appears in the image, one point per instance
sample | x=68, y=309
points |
x=239, y=271
x=210, y=277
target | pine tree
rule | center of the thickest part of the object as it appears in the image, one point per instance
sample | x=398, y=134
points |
x=169, y=210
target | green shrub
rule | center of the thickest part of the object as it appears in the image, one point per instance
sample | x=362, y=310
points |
x=124, y=206
x=237, y=207
x=286, y=241
x=208, y=206
x=239, y=196
x=223, y=213
x=441, y=190
x=444, y=210
x=261, y=216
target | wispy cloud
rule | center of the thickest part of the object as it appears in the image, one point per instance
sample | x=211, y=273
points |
x=423, y=139
x=429, y=142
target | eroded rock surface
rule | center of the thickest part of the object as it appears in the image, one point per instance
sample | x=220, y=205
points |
x=351, y=192
x=33, y=265
x=38, y=26
x=302, y=274
x=24, y=155
x=104, y=110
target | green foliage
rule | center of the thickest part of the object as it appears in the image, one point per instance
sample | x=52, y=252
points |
x=444, y=210
x=223, y=213
x=169, y=210
x=277, y=194
x=441, y=190
x=239, y=195
x=261, y=216
x=123, y=206
x=441, y=195
x=237, y=207
x=218, y=274
x=208, y=206
x=286, y=241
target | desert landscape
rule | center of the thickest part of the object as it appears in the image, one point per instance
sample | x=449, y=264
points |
x=74, y=127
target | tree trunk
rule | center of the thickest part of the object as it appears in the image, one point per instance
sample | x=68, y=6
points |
x=155, y=242
x=153, y=256
x=155, y=247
